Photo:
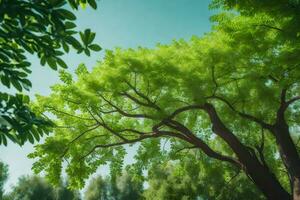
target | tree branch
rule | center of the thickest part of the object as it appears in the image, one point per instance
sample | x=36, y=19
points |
x=191, y=138
x=153, y=105
x=123, y=112
x=65, y=113
x=244, y=115
x=76, y=138
x=120, y=143
x=137, y=101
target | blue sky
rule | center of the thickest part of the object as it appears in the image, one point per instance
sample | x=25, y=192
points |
x=117, y=23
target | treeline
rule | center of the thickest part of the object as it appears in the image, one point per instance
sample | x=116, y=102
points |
x=182, y=180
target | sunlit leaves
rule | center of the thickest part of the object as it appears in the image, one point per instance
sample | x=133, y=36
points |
x=45, y=29
x=238, y=67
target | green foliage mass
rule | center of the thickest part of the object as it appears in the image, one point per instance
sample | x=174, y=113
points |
x=149, y=96
x=47, y=30
x=172, y=76
x=124, y=187
x=197, y=177
x=37, y=188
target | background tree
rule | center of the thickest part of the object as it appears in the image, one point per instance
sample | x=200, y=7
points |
x=98, y=188
x=62, y=192
x=232, y=94
x=34, y=187
x=46, y=29
x=3, y=177
x=125, y=187
x=129, y=186
x=195, y=176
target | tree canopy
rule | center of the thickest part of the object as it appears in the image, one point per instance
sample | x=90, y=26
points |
x=47, y=30
x=194, y=176
x=231, y=94
x=35, y=187
x=123, y=187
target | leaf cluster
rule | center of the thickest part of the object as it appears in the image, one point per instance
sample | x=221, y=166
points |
x=48, y=30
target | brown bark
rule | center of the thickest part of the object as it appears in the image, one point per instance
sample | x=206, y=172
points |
x=296, y=188
x=287, y=148
x=260, y=174
x=289, y=155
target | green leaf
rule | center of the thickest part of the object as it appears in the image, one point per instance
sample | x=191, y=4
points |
x=67, y=14
x=65, y=47
x=43, y=60
x=26, y=84
x=71, y=40
x=95, y=47
x=61, y=63
x=83, y=38
x=30, y=138
x=4, y=140
x=87, y=52
x=35, y=134
x=91, y=38
x=87, y=32
x=73, y=4
x=92, y=3
x=5, y=81
x=12, y=137
x=52, y=63
x=70, y=25
x=16, y=84
x=26, y=99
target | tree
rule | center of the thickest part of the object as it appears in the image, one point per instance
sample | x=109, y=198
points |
x=34, y=187
x=129, y=187
x=62, y=192
x=232, y=94
x=3, y=177
x=194, y=176
x=98, y=188
x=123, y=188
x=46, y=29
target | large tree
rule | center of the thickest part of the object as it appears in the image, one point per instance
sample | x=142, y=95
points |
x=236, y=87
x=46, y=29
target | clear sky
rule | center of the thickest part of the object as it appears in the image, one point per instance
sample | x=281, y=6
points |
x=117, y=23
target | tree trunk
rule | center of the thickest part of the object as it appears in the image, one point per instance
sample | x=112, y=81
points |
x=296, y=188
x=265, y=180
x=289, y=155
x=260, y=174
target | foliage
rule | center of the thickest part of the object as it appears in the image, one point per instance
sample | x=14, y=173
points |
x=43, y=28
x=123, y=188
x=62, y=192
x=233, y=94
x=3, y=177
x=98, y=188
x=197, y=177
x=34, y=187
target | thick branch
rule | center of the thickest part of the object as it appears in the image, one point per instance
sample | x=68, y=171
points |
x=191, y=138
x=244, y=115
